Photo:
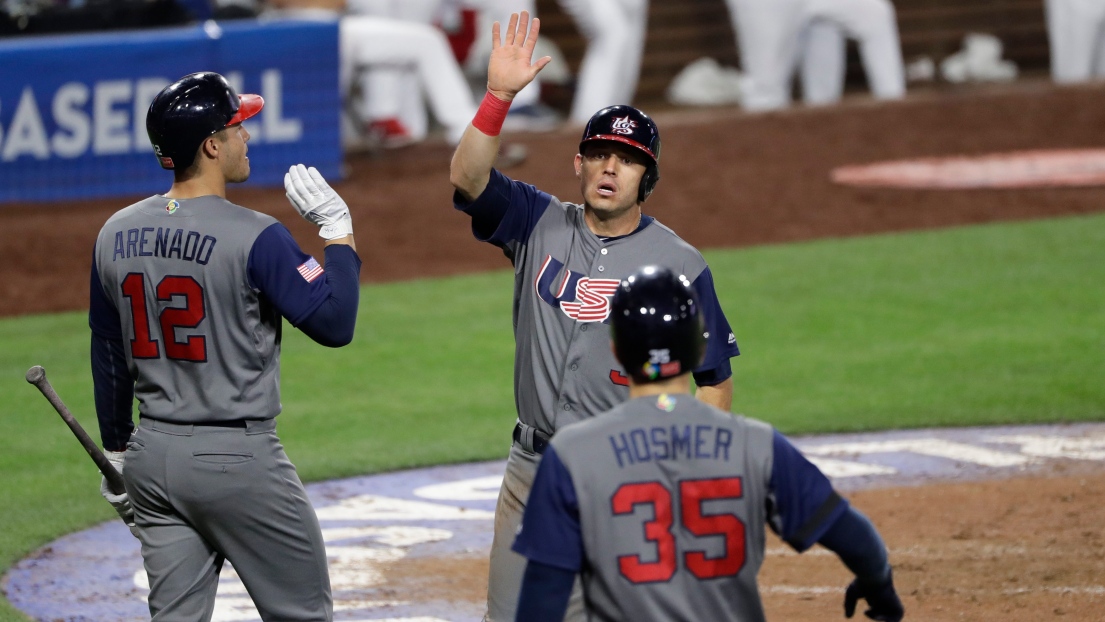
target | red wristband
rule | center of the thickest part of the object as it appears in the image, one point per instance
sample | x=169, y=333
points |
x=490, y=115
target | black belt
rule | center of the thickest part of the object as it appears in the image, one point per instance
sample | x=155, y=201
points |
x=540, y=439
x=235, y=423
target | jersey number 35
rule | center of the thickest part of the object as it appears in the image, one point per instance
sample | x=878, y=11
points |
x=692, y=493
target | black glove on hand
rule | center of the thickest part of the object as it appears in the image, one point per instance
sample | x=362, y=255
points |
x=883, y=601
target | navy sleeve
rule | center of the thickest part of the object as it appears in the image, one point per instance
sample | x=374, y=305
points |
x=332, y=323
x=857, y=542
x=292, y=280
x=805, y=503
x=506, y=211
x=550, y=531
x=722, y=344
x=112, y=385
x=545, y=593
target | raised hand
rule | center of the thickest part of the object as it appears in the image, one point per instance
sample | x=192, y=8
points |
x=317, y=202
x=510, y=68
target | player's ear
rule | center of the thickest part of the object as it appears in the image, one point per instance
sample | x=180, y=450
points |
x=579, y=164
x=210, y=147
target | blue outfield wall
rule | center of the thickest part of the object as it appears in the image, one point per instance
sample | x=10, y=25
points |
x=73, y=108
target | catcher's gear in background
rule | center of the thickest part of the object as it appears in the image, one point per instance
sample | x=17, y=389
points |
x=191, y=109
x=883, y=602
x=317, y=202
x=656, y=325
x=629, y=126
x=120, y=502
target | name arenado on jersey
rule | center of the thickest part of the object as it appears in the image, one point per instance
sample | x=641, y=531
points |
x=164, y=242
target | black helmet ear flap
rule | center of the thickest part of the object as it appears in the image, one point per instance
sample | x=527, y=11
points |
x=648, y=183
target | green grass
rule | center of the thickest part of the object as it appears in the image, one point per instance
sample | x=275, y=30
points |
x=979, y=325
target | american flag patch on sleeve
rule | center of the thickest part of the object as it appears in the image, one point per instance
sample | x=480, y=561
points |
x=310, y=270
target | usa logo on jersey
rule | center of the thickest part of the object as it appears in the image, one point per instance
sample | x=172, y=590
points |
x=581, y=298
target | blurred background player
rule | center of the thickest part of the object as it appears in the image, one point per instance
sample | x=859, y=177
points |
x=1076, y=32
x=568, y=260
x=615, y=33
x=660, y=503
x=188, y=293
x=776, y=36
x=370, y=43
x=393, y=91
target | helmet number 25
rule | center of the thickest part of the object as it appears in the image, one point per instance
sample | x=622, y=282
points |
x=143, y=345
x=692, y=493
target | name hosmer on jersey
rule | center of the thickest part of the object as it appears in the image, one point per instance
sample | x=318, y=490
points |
x=699, y=442
x=164, y=242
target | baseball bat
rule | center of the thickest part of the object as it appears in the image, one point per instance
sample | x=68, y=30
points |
x=37, y=376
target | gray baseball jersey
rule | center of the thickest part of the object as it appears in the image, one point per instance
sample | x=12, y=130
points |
x=565, y=276
x=186, y=299
x=203, y=343
x=661, y=503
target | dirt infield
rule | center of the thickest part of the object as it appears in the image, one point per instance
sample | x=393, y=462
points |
x=1015, y=550
x=961, y=552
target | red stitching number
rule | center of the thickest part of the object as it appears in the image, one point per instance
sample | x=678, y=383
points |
x=194, y=347
x=141, y=347
x=657, y=530
x=692, y=494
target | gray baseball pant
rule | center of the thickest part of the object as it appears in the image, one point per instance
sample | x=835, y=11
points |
x=507, y=567
x=204, y=494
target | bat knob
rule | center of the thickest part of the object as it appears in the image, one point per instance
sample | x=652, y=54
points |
x=36, y=374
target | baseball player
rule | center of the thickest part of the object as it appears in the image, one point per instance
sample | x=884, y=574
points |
x=568, y=260
x=615, y=31
x=366, y=43
x=660, y=503
x=1076, y=32
x=775, y=36
x=187, y=296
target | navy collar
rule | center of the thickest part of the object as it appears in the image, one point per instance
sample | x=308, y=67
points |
x=645, y=221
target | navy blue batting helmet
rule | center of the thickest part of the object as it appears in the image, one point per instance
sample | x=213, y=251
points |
x=189, y=110
x=657, y=325
x=629, y=126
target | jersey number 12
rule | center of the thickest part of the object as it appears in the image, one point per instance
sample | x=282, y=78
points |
x=692, y=493
x=144, y=346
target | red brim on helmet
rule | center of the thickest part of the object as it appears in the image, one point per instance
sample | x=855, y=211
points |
x=248, y=105
x=624, y=140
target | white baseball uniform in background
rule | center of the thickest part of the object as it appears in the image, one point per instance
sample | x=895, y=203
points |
x=366, y=42
x=773, y=36
x=1076, y=30
x=394, y=91
x=615, y=32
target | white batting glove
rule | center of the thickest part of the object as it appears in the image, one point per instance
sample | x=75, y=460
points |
x=120, y=502
x=317, y=202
